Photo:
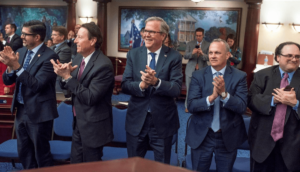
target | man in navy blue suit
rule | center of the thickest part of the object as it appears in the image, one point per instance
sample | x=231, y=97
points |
x=217, y=99
x=153, y=78
x=34, y=97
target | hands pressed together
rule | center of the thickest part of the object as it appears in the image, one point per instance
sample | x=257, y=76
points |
x=219, y=88
x=63, y=69
x=10, y=59
x=198, y=51
x=285, y=97
x=148, y=78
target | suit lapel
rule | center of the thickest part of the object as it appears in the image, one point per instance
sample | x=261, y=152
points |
x=161, y=59
x=142, y=59
x=209, y=79
x=36, y=56
x=227, y=76
x=77, y=61
x=90, y=64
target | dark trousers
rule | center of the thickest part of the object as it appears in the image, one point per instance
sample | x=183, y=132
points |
x=274, y=162
x=33, y=141
x=213, y=143
x=138, y=145
x=81, y=152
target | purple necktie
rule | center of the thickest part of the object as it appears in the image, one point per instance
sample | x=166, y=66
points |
x=279, y=119
x=8, y=40
x=78, y=77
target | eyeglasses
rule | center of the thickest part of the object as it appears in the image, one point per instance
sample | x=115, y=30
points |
x=151, y=32
x=291, y=56
x=27, y=34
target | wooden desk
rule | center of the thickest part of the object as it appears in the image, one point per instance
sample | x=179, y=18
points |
x=135, y=164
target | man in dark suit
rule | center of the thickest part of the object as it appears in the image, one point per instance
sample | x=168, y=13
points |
x=34, y=95
x=11, y=39
x=217, y=99
x=71, y=42
x=274, y=100
x=197, y=57
x=91, y=85
x=61, y=48
x=152, y=115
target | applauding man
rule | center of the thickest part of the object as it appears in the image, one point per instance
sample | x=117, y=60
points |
x=153, y=78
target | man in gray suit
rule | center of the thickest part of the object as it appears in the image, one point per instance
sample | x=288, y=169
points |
x=196, y=53
x=61, y=48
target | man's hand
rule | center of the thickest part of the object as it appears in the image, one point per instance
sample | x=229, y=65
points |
x=199, y=52
x=1, y=37
x=195, y=50
x=219, y=83
x=213, y=96
x=9, y=58
x=6, y=90
x=63, y=70
x=285, y=97
x=143, y=85
x=149, y=77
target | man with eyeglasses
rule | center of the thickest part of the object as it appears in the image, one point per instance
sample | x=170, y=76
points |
x=196, y=52
x=34, y=98
x=153, y=78
x=275, y=124
x=12, y=39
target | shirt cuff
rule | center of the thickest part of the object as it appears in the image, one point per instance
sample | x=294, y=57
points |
x=141, y=88
x=4, y=42
x=20, y=72
x=208, y=103
x=296, y=106
x=10, y=74
x=226, y=99
x=272, y=102
x=159, y=83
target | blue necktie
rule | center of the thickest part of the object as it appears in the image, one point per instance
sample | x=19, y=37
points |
x=152, y=62
x=216, y=119
x=25, y=65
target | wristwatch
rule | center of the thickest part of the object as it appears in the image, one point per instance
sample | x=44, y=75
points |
x=17, y=70
x=223, y=94
x=66, y=80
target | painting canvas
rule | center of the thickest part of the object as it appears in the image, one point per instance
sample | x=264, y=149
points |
x=217, y=23
x=50, y=15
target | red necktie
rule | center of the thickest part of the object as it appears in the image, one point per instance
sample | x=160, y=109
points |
x=279, y=119
x=82, y=65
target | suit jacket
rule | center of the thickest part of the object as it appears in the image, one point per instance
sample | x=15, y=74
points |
x=202, y=59
x=260, y=140
x=231, y=120
x=160, y=101
x=38, y=85
x=91, y=97
x=15, y=42
x=63, y=52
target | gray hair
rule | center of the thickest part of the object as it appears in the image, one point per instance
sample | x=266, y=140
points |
x=164, y=28
x=222, y=40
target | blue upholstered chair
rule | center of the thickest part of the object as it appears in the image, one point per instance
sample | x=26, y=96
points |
x=62, y=126
x=119, y=150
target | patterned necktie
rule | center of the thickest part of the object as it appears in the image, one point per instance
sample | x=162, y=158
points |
x=8, y=40
x=25, y=65
x=152, y=62
x=279, y=119
x=215, y=126
x=82, y=65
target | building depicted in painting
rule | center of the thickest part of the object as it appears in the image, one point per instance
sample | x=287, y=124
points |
x=127, y=38
x=185, y=30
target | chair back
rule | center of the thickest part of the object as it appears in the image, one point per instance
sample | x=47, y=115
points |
x=246, y=145
x=119, y=117
x=63, y=124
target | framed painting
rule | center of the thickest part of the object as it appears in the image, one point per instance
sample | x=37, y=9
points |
x=50, y=15
x=217, y=23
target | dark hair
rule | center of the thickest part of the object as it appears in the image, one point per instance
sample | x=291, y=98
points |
x=199, y=29
x=13, y=26
x=170, y=40
x=234, y=46
x=280, y=47
x=61, y=30
x=94, y=32
x=36, y=27
x=142, y=30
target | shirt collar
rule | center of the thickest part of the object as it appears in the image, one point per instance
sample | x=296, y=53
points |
x=11, y=36
x=157, y=51
x=57, y=45
x=36, y=49
x=200, y=42
x=214, y=71
x=290, y=74
x=87, y=58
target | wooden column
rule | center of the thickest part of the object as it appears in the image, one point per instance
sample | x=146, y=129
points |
x=71, y=14
x=102, y=22
x=251, y=38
